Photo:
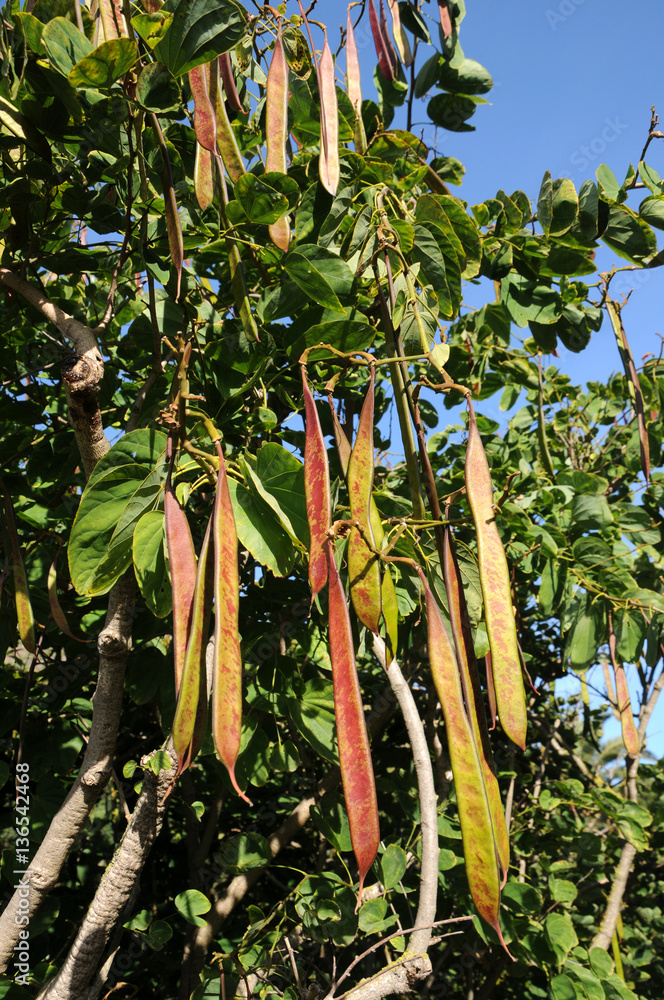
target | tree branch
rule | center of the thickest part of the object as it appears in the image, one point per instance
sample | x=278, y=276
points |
x=113, y=644
x=603, y=937
x=115, y=889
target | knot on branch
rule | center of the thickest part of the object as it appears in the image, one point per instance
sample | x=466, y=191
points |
x=79, y=375
x=113, y=643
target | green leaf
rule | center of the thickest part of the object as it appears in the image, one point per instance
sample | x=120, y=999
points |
x=260, y=532
x=600, y=963
x=142, y=447
x=157, y=91
x=373, y=917
x=311, y=281
x=521, y=898
x=631, y=630
x=392, y=865
x=244, y=853
x=331, y=818
x=150, y=563
x=608, y=184
x=565, y=206
x=629, y=236
x=560, y=934
x=313, y=715
x=451, y=111
x=105, y=64
x=590, y=512
x=562, y=988
x=190, y=904
x=152, y=27
x=200, y=31
x=562, y=890
x=652, y=211
x=159, y=934
x=65, y=44
x=469, y=77
x=586, y=633
x=264, y=199
x=528, y=300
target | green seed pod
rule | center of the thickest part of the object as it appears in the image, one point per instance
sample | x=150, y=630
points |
x=496, y=590
x=363, y=565
x=24, y=614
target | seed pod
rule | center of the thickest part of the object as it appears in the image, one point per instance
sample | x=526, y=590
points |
x=496, y=591
x=633, y=383
x=329, y=168
x=182, y=565
x=354, y=753
x=316, y=491
x=470, y=682
x=227, y=676
x=491, y=691
x=204, y=176
x=385, y=32
x=630, y=736
x=226, y=141
x=400, y=35
x=187, y=712
x=205, y=125
x=24, y=614
x=389, y=604
x=175, y=241
x=382, y=49
x=445, y=19
x=238, y=280
x=276, y=131
x=479, y=846
x=353, y=87
x=109, y=22
x=58, y=615
x=228, y=80
x=363, y=565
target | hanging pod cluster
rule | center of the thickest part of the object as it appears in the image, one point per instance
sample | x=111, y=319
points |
x=196, y=586
x=452, y=657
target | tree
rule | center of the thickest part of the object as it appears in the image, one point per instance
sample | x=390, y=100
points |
x=202, y=229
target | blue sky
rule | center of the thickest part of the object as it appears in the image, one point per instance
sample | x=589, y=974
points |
x=574, y=82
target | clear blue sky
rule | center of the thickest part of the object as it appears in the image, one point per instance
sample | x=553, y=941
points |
x=574, y=82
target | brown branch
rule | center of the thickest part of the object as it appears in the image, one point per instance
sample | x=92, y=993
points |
x=113, y=645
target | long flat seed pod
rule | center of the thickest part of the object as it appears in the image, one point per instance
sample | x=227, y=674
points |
x=227, y=676
x=633, y=382
x=24, y=614
x=384, y=62
x=400, y=35
x=390, y=607
x=354, y=752
x=329, y=168
x=445, y=19
x=58, y=615
x=479, y=846
x=385, y=32
x=182, y=566
x=175, y=241
x=276, y=131
x=184, y=723
x=490, y=690
x=109, y=21
x=496, y=591
x=630, y=735
x=226, y=141
x=316, y=492
x=470, y=682
x=205, y=123
x=353, y=86
x=363, y=565
x=228, y=80
x=204, y=176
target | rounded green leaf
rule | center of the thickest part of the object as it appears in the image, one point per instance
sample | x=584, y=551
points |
x=392, y=865
x=105, y=64
x=190, y=904
x=150, y=563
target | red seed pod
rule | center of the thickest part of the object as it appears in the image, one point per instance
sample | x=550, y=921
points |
x=204, y=176
x=329, y=167
x=276, y=131
x=400, y=35
x=226, y=141
x=182, y=564
x=228, y=80
x=363, y=565
x=205, y=124
x=630, y=734
x=354, y=752
x=227, y=675
x=316, y=491
x=496, y=590
x=382, y=49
